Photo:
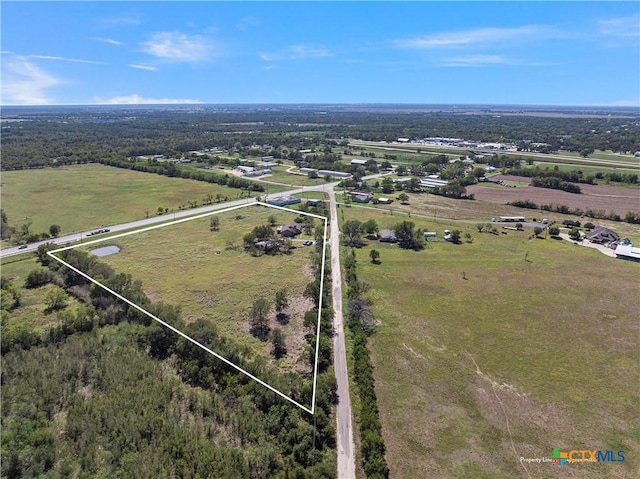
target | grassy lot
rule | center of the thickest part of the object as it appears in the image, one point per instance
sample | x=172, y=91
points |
x=210, y=276
x=280, y=175
x=88, y=196
x=502, y=348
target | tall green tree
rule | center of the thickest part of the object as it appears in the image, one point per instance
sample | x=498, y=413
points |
x=352, y=231
x=279, y=345
x=260, y=317
x=407, y=235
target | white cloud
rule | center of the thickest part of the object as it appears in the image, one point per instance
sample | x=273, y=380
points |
x=115, y=21
x=6, y=52
x=620, y=27
x=143, y=67
x=478, y=61
x=136, y=99
x=246, y=22
x=25, y=83
x=476, y=37
x=178, y=47
x=64, y=59
x=110, y=41
x=296, y=52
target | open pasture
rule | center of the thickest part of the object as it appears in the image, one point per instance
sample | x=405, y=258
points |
x=210, y=276
x=88, y=196
x=499, y=349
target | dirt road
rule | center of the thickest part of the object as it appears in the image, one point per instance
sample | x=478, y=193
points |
x=344, y=432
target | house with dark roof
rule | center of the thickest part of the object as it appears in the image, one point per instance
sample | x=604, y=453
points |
x=602, y=235
x=388, y=236
x=291, y=229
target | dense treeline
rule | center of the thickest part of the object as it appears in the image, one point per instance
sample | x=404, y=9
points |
x=555, y=183
x=574, y=176
x=94, y=395
x=171, y=170
x=361, y=322
x=83, y=135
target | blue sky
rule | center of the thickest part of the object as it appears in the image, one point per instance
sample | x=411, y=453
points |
x=560, y=53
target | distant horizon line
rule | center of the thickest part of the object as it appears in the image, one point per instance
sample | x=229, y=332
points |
x=315, y=104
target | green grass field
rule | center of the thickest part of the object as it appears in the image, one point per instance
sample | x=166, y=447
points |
x=210, y=276
x=280, y=175
x=501, y=348
x=88, y=196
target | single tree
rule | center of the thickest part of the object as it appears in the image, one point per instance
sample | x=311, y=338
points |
x=281, y=303
x=54, y=230
x=260, y=317
x=272, y=220
x=455, y=236
x=370, y=227
x=279, y=346
x=468, y=238
x=404, y=198
x=574, y=234
x=55, y=299
x=387, y=186
x=214, y=224
x=537, y=230
x=352, y=230
x=374, y=254
x=554, y=231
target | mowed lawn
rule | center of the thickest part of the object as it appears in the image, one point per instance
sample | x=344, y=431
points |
x=210, y=276
x=88, y=196
x=503, y=348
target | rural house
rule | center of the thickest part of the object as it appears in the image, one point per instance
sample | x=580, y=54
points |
x=360, y=196
x=602, y=235
x=290, y=230
x=388, y=236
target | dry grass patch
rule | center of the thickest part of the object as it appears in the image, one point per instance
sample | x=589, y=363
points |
x=210, y=276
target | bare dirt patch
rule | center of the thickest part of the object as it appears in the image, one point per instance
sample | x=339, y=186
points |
x=597, y=197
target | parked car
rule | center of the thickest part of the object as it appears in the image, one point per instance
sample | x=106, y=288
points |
x=22, y=246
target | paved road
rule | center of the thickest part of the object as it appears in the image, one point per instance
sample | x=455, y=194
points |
x=71, y=238
x=344, y=432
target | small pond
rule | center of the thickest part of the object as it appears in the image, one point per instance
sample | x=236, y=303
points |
x=106, y=250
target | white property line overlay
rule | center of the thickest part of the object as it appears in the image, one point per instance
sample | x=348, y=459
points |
x=188, y=338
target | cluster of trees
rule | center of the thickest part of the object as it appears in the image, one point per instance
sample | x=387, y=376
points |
x=99, y=367
x=555, y=183
x=573, y=176
x=361, y=322
x=408, y=236
x=354, y=230
x=632, y=217
x=260, y=328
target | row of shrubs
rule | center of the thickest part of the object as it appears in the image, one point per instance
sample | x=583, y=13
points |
x=632, y=217
x=360, y=321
